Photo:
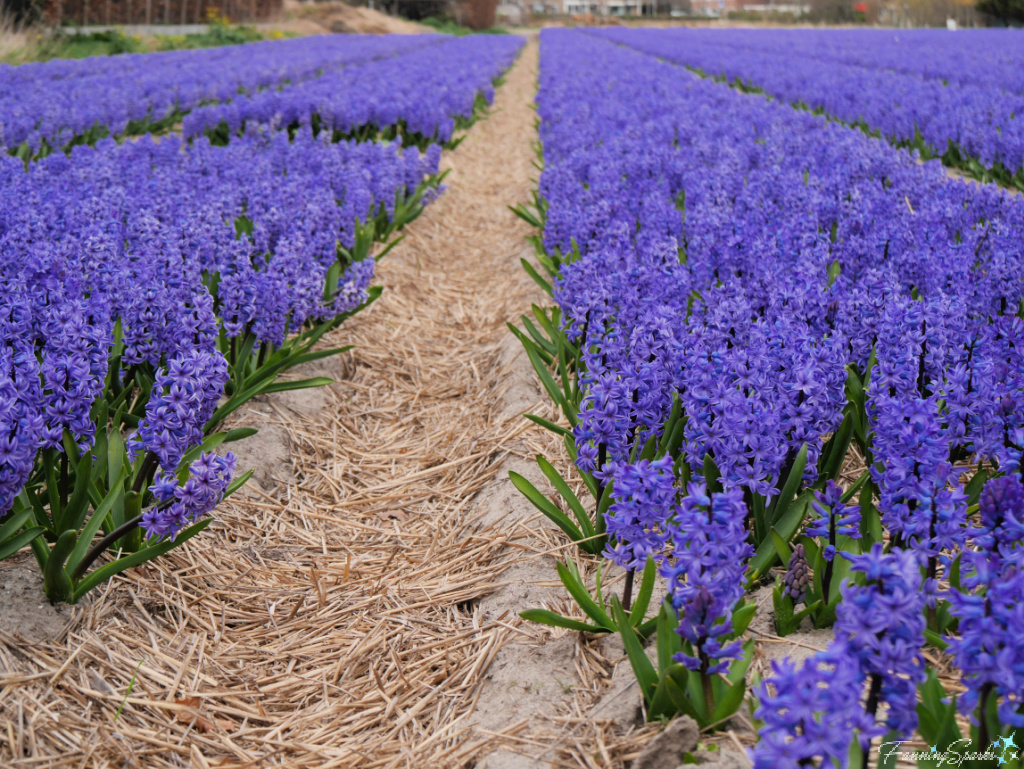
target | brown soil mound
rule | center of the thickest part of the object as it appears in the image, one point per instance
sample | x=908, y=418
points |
x=337, y=16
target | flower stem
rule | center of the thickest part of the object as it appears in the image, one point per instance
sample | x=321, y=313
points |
x=826, y=579
x=871, y=707
x=984, y=738
x=103, y=544
x=706, y=684
x=63, y=480
x=627, y=591
x=148, y=465
x=602, y=458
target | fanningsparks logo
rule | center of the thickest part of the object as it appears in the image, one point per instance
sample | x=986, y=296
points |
x=1002, y=751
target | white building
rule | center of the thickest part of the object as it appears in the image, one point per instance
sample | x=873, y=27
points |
x=583, y=7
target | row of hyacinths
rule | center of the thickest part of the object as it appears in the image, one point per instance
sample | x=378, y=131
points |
x=961, y=99
x=52, y=104
x=784, y=353
x=153, y=287
x=426, y=85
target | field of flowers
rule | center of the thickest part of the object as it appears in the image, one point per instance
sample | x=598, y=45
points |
x=960, y=99
x=785, y=353
x=153, y=287
x=62, y=103
x=782, y=349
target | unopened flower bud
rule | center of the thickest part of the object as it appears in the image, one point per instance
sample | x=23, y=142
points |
x=798, y=575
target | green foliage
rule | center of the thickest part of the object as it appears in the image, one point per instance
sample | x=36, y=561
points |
x=66, y=43
x=74, y=45
x=448, y=27
x=595, y=606
x=938, y=725
x=668, y=687
x=75, y=498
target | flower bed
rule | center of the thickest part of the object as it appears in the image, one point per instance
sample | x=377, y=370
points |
x=422, y=96
x=788, y=354
x=971, y=122
x=154, y=287
x=62, y=102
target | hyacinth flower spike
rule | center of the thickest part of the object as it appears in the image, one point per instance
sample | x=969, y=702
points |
x=701, y=664
x=178, y=513
x=988, y=650
x=642, y=502
x=116, y=492
x=811, y=713
x=793, y=590
x=881, y=622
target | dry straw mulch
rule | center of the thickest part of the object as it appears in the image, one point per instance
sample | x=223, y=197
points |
x=327, y=621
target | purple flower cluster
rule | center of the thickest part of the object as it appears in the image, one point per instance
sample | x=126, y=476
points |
x=706, y=574
x=757, y=389
x=601, y=425
x=757, y=264
x=983, y=56
x=988, y=650
x=426, y=89
x=145, y=253
x=882, y=624
x=996, y=423
x=143, y=225
x=921, y=371
x=816, y=711
x=21, y=418
x=835, y=519
x=740, y=254
x=184, y=397
x=178, y=506
x=810, y=712
x=75, y=337
x=984, y=120
x=645, y=499
x=60, y=100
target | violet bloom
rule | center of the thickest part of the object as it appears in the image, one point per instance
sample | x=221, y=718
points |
x=644, y=503
x=988, y=651
x=179, y=506
x=142, y=88
x=76, y=348
x=601, y=431
x=921, y=504
x=810, y=713
x=733, y=411
x=838, y=520
x=883, y=624
x=21, y=419
x=184, y=398
x=997, y=424
x=352, y=290
x=706, y=574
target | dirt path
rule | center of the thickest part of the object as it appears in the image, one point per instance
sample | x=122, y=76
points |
x=330, y=617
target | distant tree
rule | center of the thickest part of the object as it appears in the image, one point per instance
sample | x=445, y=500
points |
x=22, y=12
x=1006, y=11
x=832, y=11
